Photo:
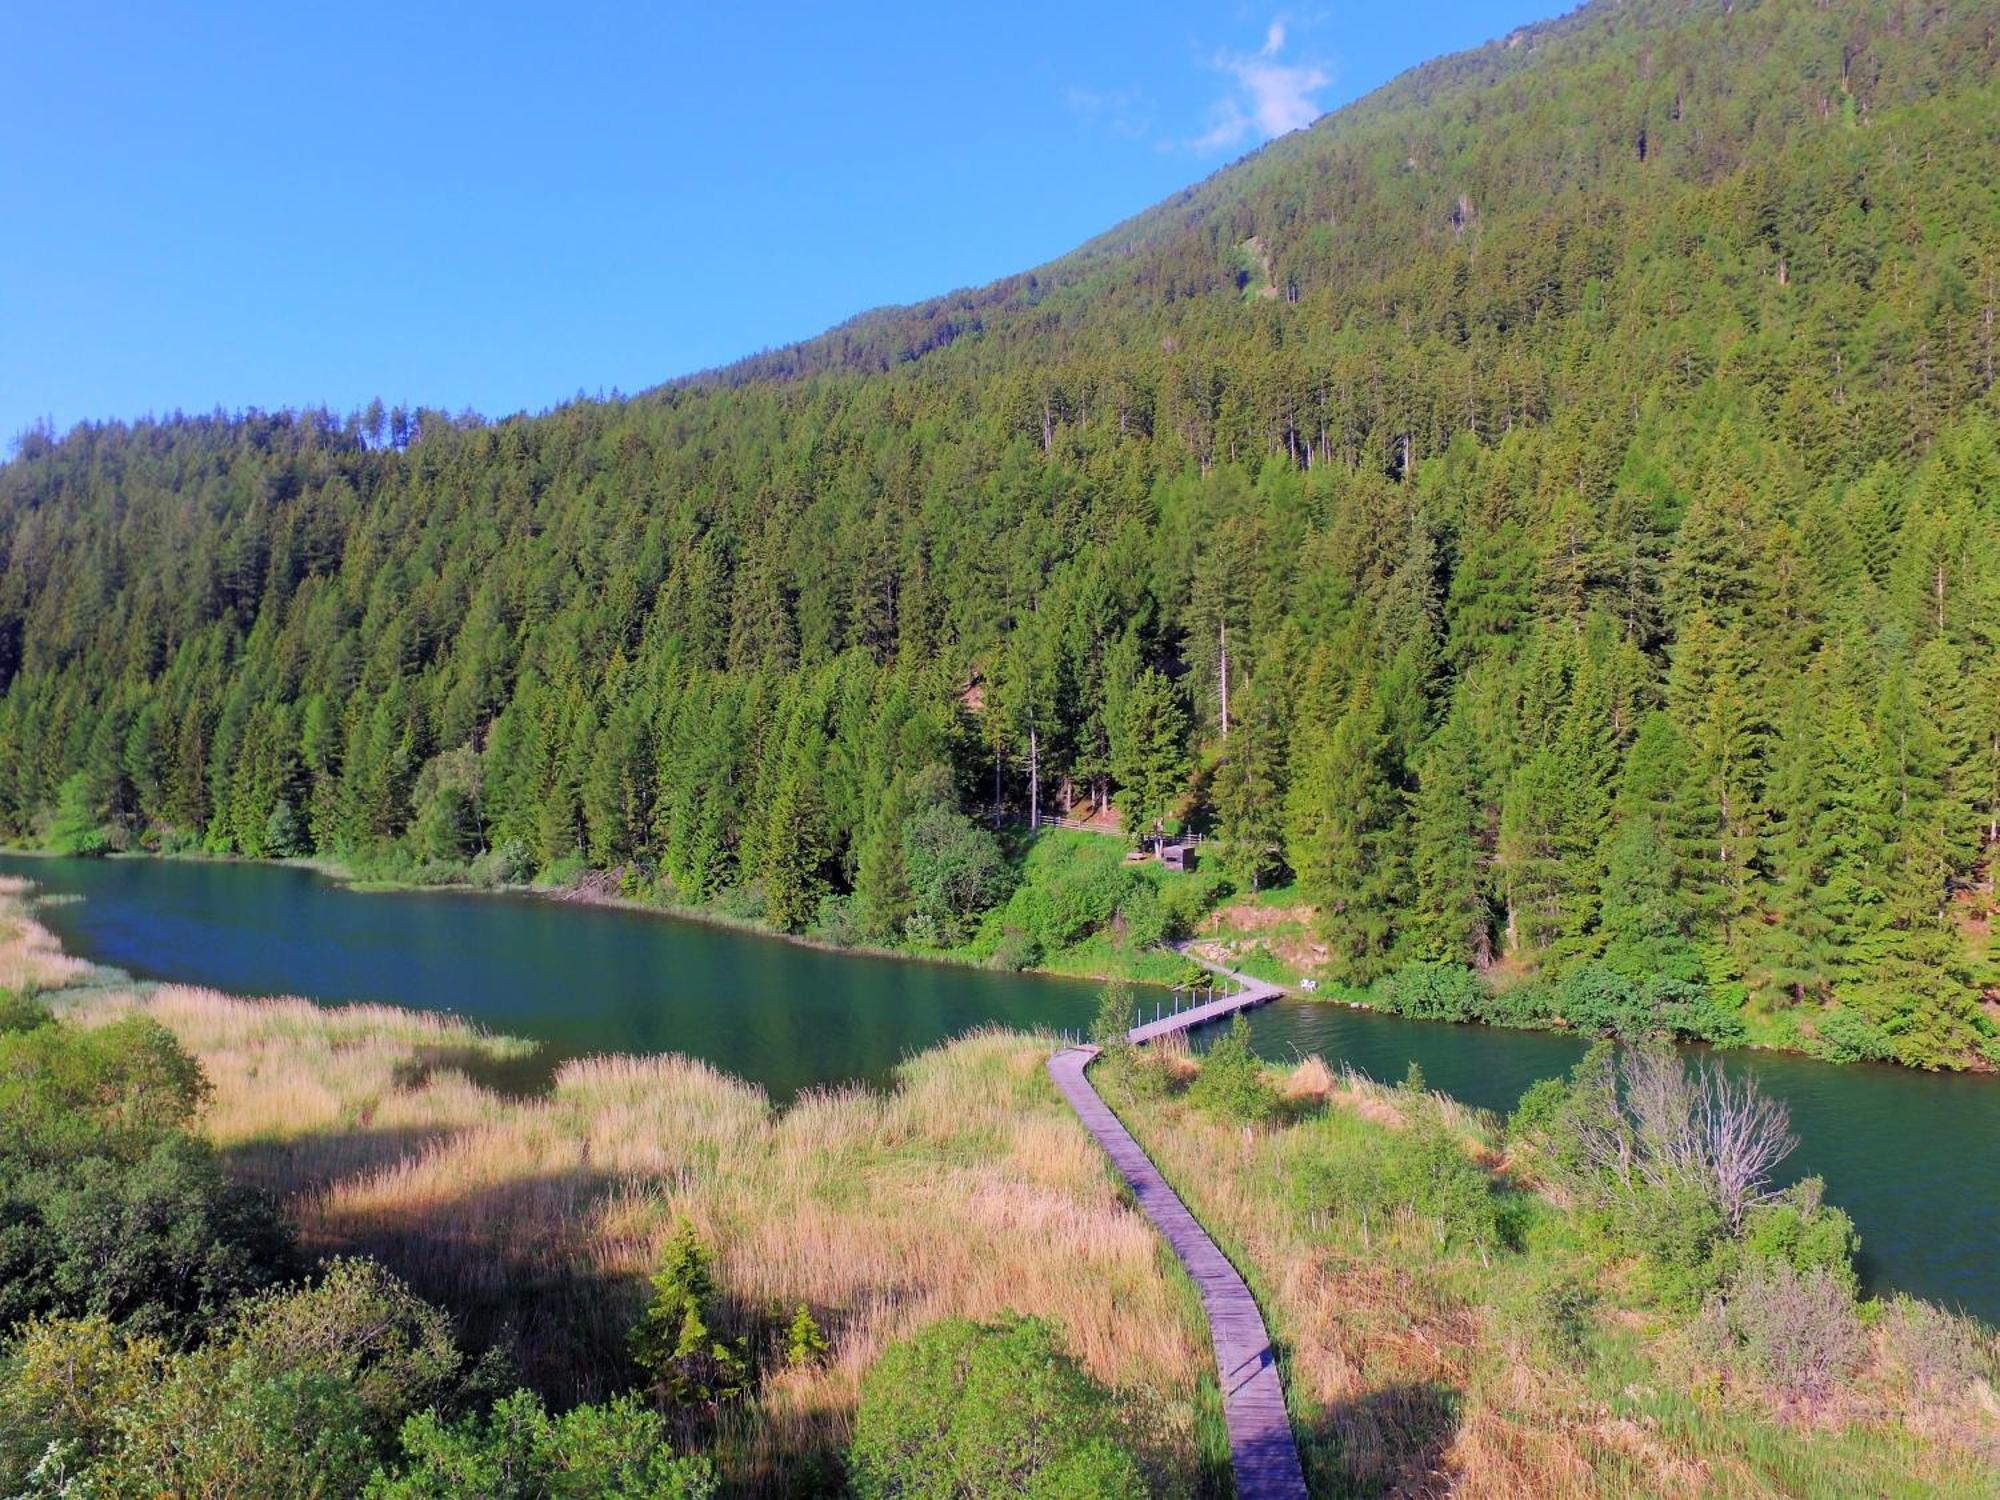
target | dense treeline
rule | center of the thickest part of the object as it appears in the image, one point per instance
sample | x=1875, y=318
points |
x=1575, y=468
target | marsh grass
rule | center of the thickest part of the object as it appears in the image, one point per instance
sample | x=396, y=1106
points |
x=1416, y=1370
x=968, y=1189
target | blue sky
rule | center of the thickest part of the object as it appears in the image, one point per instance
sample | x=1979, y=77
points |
x=495, y=206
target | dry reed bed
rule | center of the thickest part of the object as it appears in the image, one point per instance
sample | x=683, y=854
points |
x=30, y=956
x=969, y=1190
x=1399, y=1365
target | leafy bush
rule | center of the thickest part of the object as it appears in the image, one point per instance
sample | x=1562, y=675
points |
x=1432, y=991
x=518, y=1451
x=965, y=1411
x=1801, y=1229
x=1231, y=1082
x=954, y=867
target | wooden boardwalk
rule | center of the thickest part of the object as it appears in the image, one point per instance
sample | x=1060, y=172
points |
x=1254, y=992
x=1261, y=1449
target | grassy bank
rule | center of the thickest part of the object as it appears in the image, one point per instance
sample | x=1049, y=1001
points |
x=1533, y=1365
x=967, y=1190
x=1532, y=1361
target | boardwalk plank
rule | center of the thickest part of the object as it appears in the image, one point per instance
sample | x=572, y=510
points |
x=1261, y=1447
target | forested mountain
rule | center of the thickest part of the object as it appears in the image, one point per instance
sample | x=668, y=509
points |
x=1583, y=452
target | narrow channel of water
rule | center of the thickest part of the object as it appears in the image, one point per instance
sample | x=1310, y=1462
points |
x=1915, y=1158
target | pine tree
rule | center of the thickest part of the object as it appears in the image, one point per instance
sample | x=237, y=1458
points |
x=1149, y=755
x=1450, y=918
x=675, y=1340
x=1249, y=792
x=1349, y=839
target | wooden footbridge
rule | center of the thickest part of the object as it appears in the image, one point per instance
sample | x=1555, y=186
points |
x=1250, y=992
x=1261, y=1448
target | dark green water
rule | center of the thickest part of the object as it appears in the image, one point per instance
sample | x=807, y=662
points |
x=1915, y=1158
x=581, y=978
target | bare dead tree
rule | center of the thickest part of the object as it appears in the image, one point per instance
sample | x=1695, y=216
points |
x=1744, y=1136
x=1698, y=1126
x=1646, y=1116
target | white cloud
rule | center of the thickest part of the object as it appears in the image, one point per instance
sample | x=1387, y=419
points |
x=1122, y=112
x=1271, y=98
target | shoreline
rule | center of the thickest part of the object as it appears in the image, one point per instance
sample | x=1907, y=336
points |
x=583, y=894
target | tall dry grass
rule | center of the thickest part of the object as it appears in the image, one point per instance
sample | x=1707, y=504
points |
x=1412, y=1370
x=968, y=1190
x=30, y=956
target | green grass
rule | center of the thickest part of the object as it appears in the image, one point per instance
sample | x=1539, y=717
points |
x=1403, y=1359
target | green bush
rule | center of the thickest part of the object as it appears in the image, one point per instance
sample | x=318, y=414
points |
x=298, y=1393
x=1529, y=1005
x=955, y=868
x=518, y=1451
x=1599, y=1001
x=1231, y=1082
x=965, y=1411
x=1431, y=991
x=1841, y=1035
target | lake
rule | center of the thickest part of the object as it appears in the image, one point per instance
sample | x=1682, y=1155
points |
x=1915, y=1158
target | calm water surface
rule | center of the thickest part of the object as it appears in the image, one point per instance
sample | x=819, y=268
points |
x=1915, y=1158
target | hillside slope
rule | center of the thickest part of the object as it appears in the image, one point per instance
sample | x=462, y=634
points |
x=1581, y=452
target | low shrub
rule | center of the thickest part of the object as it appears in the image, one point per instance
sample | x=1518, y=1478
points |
x=987, y=1410
x=1941, y=1352
x=1797, y=1331
x=1231, y=1082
